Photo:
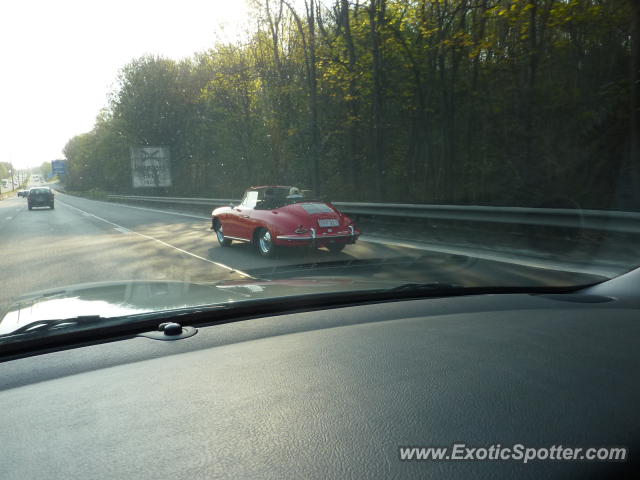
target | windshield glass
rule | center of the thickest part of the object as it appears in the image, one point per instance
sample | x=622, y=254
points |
x=230, y=151
x=269, y=198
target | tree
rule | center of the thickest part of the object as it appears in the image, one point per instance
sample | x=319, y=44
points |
x=45, y=169
x=499, y=102
x=5, y=169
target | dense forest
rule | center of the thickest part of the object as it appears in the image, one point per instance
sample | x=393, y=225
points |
x=496, y=102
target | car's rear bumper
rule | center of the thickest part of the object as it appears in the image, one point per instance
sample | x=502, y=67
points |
x=313, y=238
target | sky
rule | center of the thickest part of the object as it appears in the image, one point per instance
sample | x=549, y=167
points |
x=61, y=58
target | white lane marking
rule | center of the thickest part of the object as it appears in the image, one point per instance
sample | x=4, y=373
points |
x=495, y=257
x=9, y=218
x=153, y=210
x=148, y=237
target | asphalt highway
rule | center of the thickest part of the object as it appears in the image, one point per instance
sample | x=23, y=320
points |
x=84, y=241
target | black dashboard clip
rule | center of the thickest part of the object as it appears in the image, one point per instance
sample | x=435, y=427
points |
x=170, y=331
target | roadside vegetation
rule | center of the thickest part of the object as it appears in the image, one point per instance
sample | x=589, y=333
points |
x=496, y=102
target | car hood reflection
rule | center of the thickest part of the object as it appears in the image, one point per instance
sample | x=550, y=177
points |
x=116, y=299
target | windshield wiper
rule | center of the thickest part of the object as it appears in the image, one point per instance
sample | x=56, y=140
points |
x=48, y=325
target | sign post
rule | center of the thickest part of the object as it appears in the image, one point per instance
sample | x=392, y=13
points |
x=58, y=167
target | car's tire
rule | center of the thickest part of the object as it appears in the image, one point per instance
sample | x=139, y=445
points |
x=30, y=207
x=51, y=206
x=222, y=240
x=264, y=243
x=336, y=247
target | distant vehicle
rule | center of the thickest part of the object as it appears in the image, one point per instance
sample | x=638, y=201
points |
x=273, y=216
x=5, y=183
x=23, y=193
x=40, y=197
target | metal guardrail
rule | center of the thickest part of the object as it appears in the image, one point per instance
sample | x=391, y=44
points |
x=617, y=221
x=176, y=200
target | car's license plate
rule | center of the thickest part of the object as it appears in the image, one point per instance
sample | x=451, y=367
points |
x=328, y=222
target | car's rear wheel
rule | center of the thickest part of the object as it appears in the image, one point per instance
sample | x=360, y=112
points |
x=222, y=240
x=51, y=205
x=264, y=243
x=336, y=247
x=30, y=207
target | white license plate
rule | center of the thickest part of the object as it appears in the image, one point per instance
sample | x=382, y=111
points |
x=328, y=222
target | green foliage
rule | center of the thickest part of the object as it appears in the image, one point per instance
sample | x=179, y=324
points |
x=45, y=169
x=5, y=169
x=461, y=101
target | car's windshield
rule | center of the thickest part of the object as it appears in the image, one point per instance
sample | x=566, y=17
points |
x=269, y=198
x=277, y=148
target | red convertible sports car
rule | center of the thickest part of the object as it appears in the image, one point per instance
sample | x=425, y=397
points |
x=273, y=216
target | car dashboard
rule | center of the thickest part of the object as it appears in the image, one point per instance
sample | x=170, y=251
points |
x=334, y=393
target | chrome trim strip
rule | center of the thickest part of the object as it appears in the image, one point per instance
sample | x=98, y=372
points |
x=313, y=237
x=333, y=236
x=237, y=238
x=292, y=237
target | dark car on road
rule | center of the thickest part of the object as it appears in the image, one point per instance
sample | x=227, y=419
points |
x=40, y=197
